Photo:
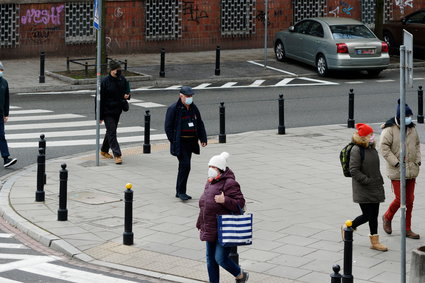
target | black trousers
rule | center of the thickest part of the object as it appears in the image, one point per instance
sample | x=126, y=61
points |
x=370, y=214
x=186, y=149
x=110, y=141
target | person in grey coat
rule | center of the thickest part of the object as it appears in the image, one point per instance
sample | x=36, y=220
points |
x=367, y=182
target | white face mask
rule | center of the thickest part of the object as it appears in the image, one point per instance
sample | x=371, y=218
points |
x=189, y=100
x=1, y=74
x=212, y=173
x=372, y=139
x=408, y=120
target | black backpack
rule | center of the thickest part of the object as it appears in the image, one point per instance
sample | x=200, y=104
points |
x=344, y=158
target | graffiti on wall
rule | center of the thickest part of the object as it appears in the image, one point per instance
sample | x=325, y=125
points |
x=43, y=16
x=40, y=35
x=189, y=8
x=403, y=4
x=118, y=13
x=344, y=8
x=261, y=17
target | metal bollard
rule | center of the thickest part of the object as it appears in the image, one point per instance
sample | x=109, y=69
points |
x=42, y=78
x=281, y=128
x=125, y=65
x=41, y=169
x=420, y=105
x=222, y=135
x=217, y=61
x=146, y=145
x=128, y=236
x=67, y=64
x=336, y=277
x=86, y=69
x=233, y=255
x=162, y=70
x=350, y=121
x=63, y=191
x=347, y=277
x=42, y=144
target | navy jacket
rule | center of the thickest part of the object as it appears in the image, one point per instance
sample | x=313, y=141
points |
x=112, y=91
x=4, y=98
x=173, y=127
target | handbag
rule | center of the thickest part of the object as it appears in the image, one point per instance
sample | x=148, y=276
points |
x=125, y=106
x=235, y=230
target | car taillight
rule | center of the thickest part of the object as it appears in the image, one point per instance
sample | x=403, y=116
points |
x=341, y=48
x=384, y=48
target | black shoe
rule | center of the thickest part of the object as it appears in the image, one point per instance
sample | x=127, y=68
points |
x=244, y=277
x=9, y=162
x=177, y=195
x=183, y=197
x=187, y=196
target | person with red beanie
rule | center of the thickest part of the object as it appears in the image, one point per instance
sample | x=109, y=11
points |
x=367, y=182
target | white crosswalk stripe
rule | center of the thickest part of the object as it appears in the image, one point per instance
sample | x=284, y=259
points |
x=30, y=111
x=44, y=117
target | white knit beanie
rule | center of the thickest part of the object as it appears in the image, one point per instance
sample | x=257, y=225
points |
x=219, y=161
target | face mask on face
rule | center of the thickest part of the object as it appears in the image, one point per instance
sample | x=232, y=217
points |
x=189, y=100
x=372, y=139
x=408, y=120
x=1, y=74
x=212, y=173
x=118, y=73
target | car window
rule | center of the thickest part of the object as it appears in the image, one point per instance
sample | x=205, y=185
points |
x=316, y=29
x=418, y=18
x=302, y=27
x=351, y=31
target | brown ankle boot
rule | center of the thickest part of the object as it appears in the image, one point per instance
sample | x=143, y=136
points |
x=412, y=235
x=386, y=224
x=375, y=244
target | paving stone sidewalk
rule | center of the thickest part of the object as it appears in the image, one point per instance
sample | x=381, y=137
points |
x=293, y=184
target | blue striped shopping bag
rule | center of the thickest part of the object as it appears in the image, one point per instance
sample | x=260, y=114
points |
x=235, y=230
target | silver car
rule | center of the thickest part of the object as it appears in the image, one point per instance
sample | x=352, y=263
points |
x=333, y=44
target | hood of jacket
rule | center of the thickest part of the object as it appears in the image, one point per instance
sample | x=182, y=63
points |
x=361, y=141
x=395, y=122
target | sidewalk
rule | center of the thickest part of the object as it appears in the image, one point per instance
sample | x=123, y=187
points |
x=180, y=68
x=293, y=185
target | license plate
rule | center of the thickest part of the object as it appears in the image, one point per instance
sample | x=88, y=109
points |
x=365, y=51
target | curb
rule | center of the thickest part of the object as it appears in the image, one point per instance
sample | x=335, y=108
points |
x=52, y=241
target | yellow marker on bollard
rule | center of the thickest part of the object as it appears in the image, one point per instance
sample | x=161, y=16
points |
x=128, y=186
x=348, y=223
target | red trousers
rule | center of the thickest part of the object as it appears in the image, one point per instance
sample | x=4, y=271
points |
x=394, y=206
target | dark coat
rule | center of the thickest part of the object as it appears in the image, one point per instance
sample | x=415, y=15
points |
x=173, y=127
x=367, y=181
x=4, y=98
x=209, y=209
x=112, y=91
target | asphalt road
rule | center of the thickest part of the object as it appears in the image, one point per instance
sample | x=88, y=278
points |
x=247, y=109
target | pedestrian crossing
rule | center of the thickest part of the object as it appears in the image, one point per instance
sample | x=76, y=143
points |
x=24, y=127
x=17, y=257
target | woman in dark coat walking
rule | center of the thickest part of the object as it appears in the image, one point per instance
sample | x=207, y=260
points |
x=222, y=195
x=367, y=182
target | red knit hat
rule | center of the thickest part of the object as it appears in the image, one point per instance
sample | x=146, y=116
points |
x=364, y=129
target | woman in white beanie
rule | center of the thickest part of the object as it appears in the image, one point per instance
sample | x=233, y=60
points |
x=222, y=195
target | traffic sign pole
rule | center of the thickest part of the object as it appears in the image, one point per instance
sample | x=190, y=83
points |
x=96, y=23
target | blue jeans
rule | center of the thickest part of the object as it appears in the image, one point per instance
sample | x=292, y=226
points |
x=217, y=255
x=3, y=143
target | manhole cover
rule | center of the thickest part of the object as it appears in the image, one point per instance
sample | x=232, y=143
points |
x=93, y=198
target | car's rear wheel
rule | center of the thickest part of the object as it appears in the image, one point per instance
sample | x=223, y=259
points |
x=389, y=39
x=374, y=72
x=279, y=51
x=322, y=66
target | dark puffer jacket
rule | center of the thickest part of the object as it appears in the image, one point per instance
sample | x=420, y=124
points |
x=112, y=91
x=367, y=181
x=209, y=209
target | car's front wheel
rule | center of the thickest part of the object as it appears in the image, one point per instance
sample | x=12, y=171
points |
x=279, y=51
x=322, y=66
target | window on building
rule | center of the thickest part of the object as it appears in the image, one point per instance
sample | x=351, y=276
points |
x=163, y=21
x=79, y=23
x=9, y=27
x=237, y=17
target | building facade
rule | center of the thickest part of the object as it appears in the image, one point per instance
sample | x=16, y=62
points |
x=65, y=28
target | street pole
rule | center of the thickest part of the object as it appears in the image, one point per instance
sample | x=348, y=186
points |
x=98, y=77
x=266, y=4
x=402, y=163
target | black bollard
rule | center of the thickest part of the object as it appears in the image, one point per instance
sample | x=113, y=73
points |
x=146, y=145
x=42, y=78
x=42, y=144
x=217, y=61
x=336, y=277
x=233, y=255
x=125, y=65
x=420, y=105
x=350, y=122
x=63, y=191
x=41, y=169
x=128, y=236
x=162, y=70
x=222, y=135
x=281, y=128
x=86, y=69
x=347, y=277
x=67, y=64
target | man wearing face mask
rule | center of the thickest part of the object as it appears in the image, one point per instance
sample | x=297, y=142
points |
x=184, y=128
x=4, y=111
x=113, y=90
x=390, y=148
